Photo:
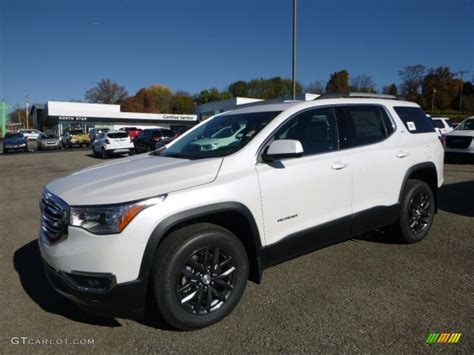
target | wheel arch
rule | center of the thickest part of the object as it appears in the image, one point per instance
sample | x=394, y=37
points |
x=425, y=172
x=233, y=216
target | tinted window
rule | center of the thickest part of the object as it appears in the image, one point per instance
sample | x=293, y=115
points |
x=366, y=124
x=117, y=135
x=315, y=129
x=438, y=124
x=414, y=119
x=49, y=136
x=13, y=135
x=162, y=133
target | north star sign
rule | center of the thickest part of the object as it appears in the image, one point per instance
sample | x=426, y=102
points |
x=72, y=118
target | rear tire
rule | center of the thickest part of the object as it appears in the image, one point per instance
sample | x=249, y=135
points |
x=103, y=154
x=417, y=210
x=199, y=275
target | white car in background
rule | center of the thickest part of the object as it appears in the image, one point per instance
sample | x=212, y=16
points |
x=113, y=142
x=461, y=139
x=30, y=133
x=442, y=125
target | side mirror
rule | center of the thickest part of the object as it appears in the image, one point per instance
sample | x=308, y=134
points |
x=283, y=149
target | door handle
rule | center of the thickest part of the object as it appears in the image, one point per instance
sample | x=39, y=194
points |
x=402, y=154
x=338, y=165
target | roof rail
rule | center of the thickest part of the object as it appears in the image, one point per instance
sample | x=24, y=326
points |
x=363, y=95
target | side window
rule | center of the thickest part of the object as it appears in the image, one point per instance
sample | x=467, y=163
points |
x=366, y=124
x=414, y=119
x=316, y=130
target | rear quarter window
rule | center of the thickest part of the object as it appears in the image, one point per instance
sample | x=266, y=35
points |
x=414, y=119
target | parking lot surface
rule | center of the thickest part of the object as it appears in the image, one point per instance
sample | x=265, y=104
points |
x=368, y=294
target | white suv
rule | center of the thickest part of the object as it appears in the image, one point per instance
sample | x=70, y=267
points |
x=183, y=228
x=109, y=143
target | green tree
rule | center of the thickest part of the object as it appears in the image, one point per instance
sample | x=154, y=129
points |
x=211, y=95
x=390, y=90
x=106, y=92
x=182, y=103
x=272, y=88
x=338, y=82
x=412, y=78
x=440, y=87
x=239, y=88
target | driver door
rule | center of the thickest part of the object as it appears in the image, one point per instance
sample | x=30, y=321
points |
x=307, y=201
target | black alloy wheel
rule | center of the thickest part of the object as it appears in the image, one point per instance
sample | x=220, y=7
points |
x=419, y=212
x=199, y=275
x=206, y=281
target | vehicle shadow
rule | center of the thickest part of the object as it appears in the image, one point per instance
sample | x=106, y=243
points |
x=458, y=198
x=27, y=263
x=379, y=236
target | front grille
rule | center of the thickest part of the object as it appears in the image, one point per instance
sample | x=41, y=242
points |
x=54, y=216
x=458, y=142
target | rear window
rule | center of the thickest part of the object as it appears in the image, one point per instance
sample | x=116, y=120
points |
x=414, y=119
x=438, y=124
x=76, y=131
x=163, y=133
x=117, y=135
x=13, y=135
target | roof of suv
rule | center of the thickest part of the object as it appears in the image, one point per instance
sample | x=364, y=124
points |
x=283, y=106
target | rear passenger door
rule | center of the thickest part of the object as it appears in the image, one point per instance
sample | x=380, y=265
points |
x=373, y=143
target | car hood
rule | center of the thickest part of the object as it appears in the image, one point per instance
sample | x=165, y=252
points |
x=133, y=178
x=461, y=133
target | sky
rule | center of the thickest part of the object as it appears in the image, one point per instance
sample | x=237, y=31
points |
x=57, y=49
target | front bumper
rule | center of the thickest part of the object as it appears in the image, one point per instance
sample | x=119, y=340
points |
x=126, y=300
x=15, y=146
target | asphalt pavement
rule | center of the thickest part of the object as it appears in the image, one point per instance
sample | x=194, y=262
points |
x=368, y=294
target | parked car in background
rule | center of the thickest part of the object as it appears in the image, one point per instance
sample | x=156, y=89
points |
x=48, y=141
x=221, y=138
x=75, y=137
x=442, y=125
x=461, y=139
x=113, y=142
x=14, y=141
x=30, y=133
x=147, y=139
x=94, y=132
x=132, y=131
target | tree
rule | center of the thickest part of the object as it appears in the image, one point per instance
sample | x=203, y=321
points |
x=390, y=90
x=131, y=104
x=211, y=95
x=338, y=82
x=440, y=88
x=412, y=79
x=106, y=92
x=316, y=87
x=362, y=83
x=18, y=115
x=182, y=103
x=239, y=88
x=162, y=96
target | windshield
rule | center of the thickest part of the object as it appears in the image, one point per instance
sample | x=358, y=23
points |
x=76, y=131
x=220, y=136
x=467, y=125
x=49, y=136
x=13, y=135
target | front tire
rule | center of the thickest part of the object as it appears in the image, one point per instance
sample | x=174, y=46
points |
x=199, y=275
x=416, y=212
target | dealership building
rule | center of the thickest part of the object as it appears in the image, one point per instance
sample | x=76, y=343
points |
x=57, y=116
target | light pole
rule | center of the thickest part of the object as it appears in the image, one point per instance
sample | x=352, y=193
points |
x=4, y=107
x=26, y=110
x=293, y=69
x=432, y=100
x=462, y=86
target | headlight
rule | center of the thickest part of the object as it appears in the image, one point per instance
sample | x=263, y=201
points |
x=108, y=220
